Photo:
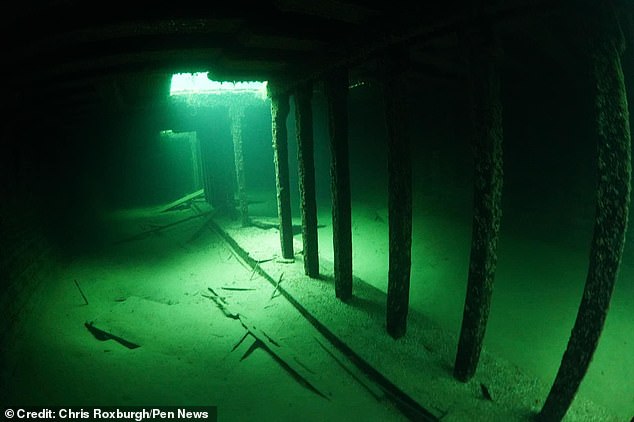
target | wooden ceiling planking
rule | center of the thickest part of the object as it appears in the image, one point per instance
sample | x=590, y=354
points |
x=275, y=39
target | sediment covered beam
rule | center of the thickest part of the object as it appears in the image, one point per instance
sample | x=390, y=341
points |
x=605, y=45
x=399, y=165
x=196, y=163
x=484, y=81
x=279, y=113
x=206, y=165
x=236, y=114
x=336, y=88
x=306, y=163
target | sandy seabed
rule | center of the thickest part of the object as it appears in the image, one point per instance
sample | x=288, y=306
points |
x=152, y=290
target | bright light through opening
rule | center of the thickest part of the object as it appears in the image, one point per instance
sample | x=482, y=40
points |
x=199, y=83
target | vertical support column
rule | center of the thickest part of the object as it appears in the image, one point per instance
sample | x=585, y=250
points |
x=487, y=190
x=605, y=44
x=306, y=162
x=236, y=113
x=206, y=165
x=399, y=166
x=196, y=162
x=279, y=113
x=336, y=87
x=217, y=157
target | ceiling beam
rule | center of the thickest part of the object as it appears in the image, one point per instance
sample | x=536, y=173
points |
x=330, y=10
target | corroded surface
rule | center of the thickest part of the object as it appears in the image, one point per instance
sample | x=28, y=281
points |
x=487, y=212
x=306, y=161
x=399, y=198
x=612, y=208
x=279, y=112
x=336, y=94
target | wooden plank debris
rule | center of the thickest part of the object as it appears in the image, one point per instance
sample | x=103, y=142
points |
x=255, y=267
x=277, y=286
x=410, y=408
x=201, y=229
x=185, y=200
x=221, y=303
x=485, y=392
x=255, y=345
x=246, y=334
x=81, y=292
x=237, y=289
x=286, y=359
x=266, y=225
x=103, y=335
x=283, y=355
x=157, y=229
x=352, y=370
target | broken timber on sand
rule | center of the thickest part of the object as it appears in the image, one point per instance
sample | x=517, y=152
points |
x=285, y=358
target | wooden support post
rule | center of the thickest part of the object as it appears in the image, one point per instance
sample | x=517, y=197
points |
x=206, y=165
x=605, y=45
x=306, y=163
x=279, y=113
x=336, y=87
x=399, y=166
x=197, y=172
x=236, y=113
x=487, y=146
x=217, y=158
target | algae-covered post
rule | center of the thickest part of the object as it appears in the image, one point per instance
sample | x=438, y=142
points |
x=336, y=87
x=484, y=81
x=399, y=167
x=279, y=113
x=206, y=166
x=306, y=170
x=236, y=114
x=605, y=45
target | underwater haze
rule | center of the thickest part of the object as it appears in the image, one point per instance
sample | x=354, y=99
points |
x=548, y=203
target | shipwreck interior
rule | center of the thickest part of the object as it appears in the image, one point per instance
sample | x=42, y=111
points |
x=320, y=211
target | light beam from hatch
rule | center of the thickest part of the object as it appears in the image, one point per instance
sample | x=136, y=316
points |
x=199, y=83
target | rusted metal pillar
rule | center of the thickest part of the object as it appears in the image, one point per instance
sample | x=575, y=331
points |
x=306, y=163
x=279, y=113
x=605, y=45
x=236, y=113
x=336, y=87
x=399, y=166
x=484, y=80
